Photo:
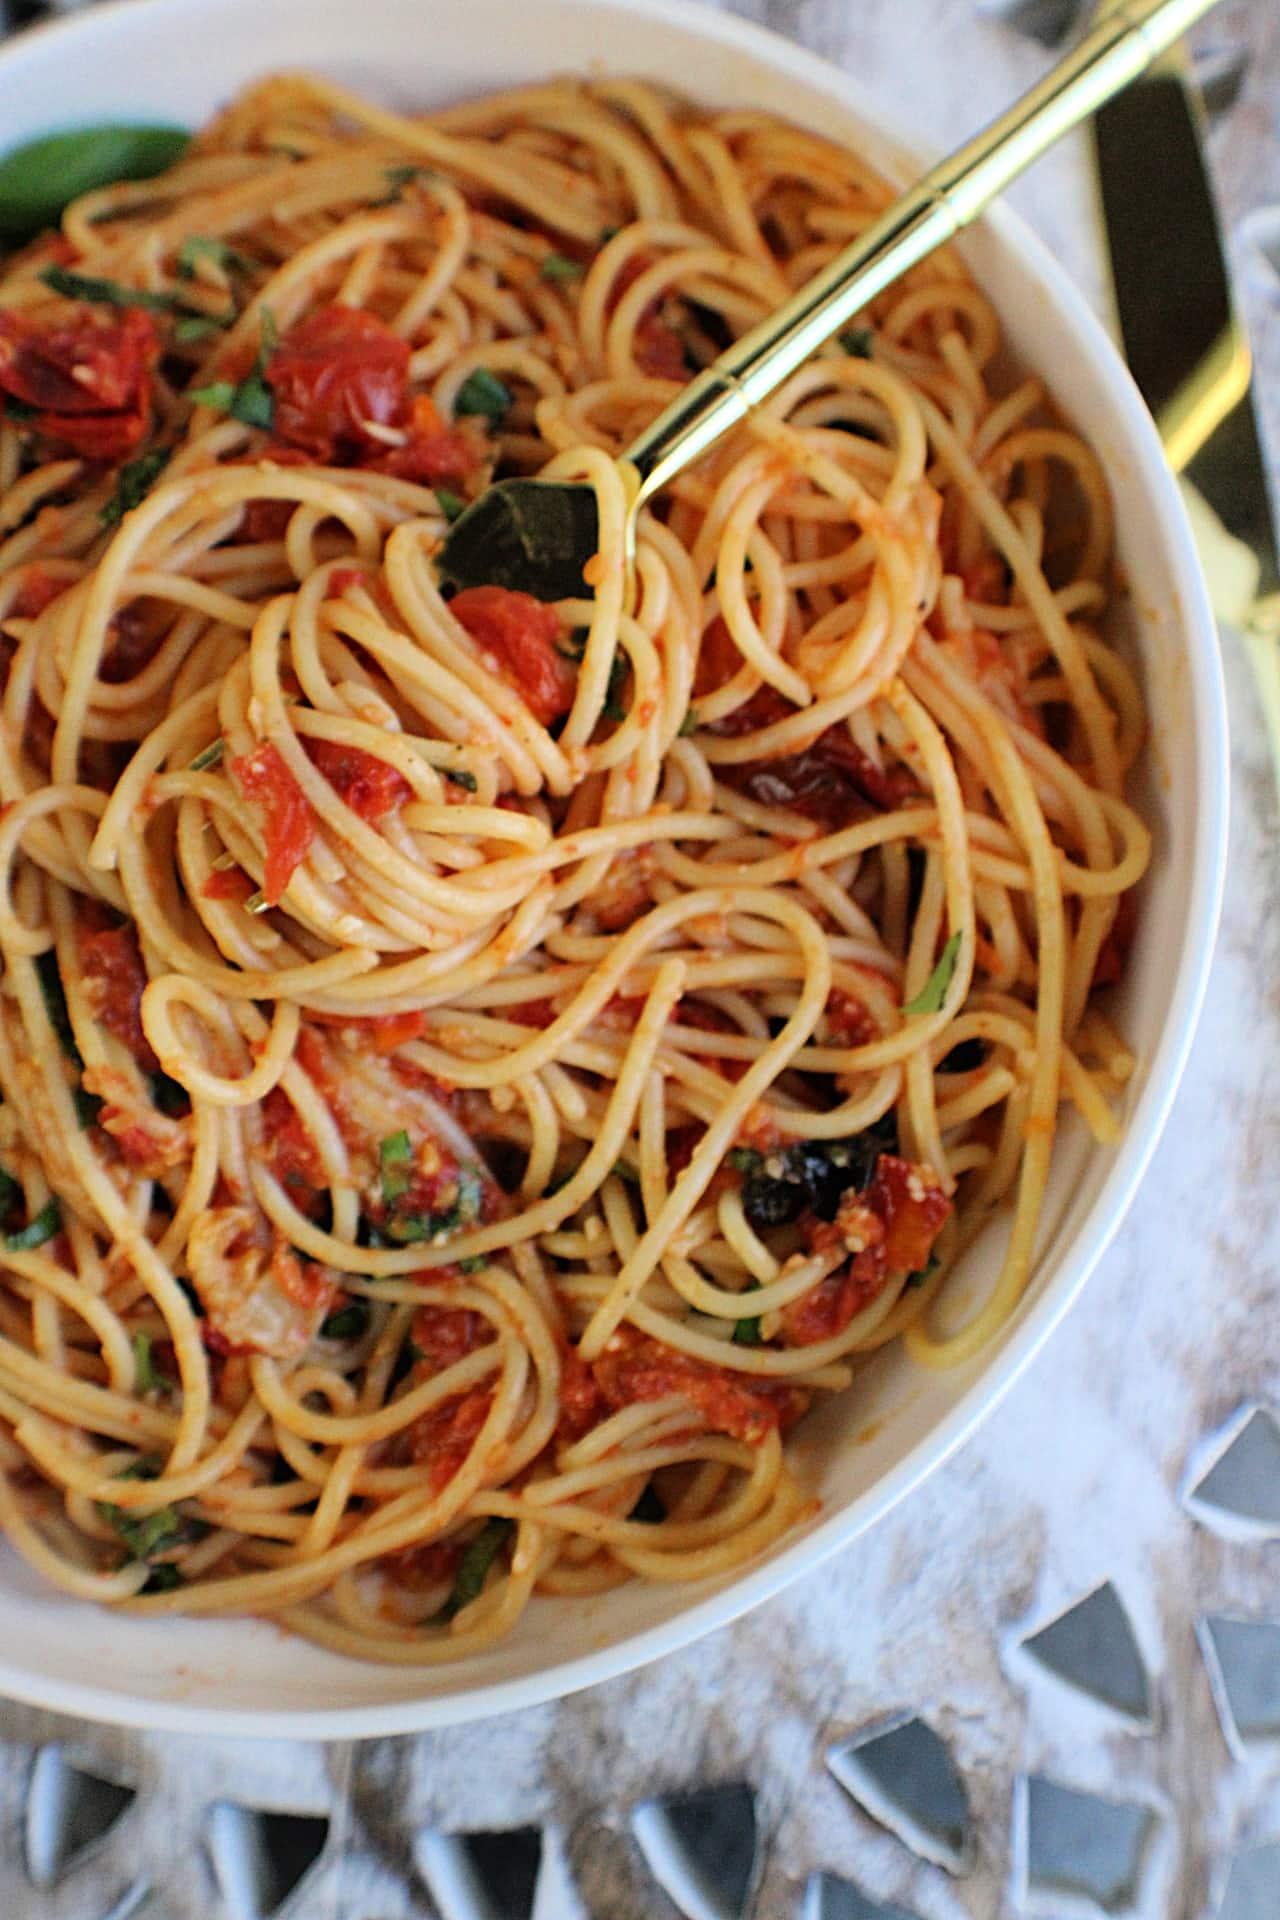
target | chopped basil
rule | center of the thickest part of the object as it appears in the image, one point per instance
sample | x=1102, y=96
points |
x=461, y=777
x=689, y=724
x=252, y=401
x=207, y=246
x=473, y=1569
x=648, y=1509
x=400, y=177
x=210, y=757
x=395, y=1158
x=858, y=342
x=626, y=1172
x=410, y=1229
x=133, y=483
x=41, y=178
x=149, y=1375
x=483, y=393
x=192, y=327
x=37, y=1231
x=746, y=1332
x=745, y=1159
x=105, y=293
x=559, y=267
x=450, y=504
x=87, y=1105
x=148, y=1534
x=474, y=1263
x=934, y=991
x=55, y=1003
x=163, y=1578
x=348, y=1323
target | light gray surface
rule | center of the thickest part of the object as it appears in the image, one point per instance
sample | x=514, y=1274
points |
x=1072, y=1482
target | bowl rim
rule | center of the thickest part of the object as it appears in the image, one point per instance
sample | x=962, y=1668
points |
x=1146, y=1123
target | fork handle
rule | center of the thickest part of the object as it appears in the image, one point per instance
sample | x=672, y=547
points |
x=1120, y=47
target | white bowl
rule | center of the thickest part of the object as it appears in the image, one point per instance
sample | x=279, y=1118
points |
x=180, y=59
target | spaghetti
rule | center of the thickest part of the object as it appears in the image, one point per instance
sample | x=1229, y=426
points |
x=474, y=1071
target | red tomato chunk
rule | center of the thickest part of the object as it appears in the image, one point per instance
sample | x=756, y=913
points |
x=88, y=378
x=520, y=633
x=288, y=822
x=368, y=785
x=115, y=978
x=333, y=374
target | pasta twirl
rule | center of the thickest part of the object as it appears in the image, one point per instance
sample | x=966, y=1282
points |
x=475, y=1071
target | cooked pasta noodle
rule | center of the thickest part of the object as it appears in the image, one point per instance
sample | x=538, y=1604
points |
x=475, y=1071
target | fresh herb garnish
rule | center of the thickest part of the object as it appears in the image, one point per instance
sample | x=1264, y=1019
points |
x=395, y=1158
x=450, y=504
x=148, y=1534
x=207, y=246
x=42, y=177
x=210, y=757
x=105, y=293
x=461, y=777
x=163, y=1578
x=559, y=267
x=410, y=1229
x=746, y=1332
x=483, y=393
x=252, y=400
x=402, y=176
x=55, y=1003
x=149, y=1375
x=133, y=483
x=347, y=1323
x=934, y=991
x=474, y=1263
x=37, y=1231
x=473, y=1569
x=745, y=1159
x=189, y=328
x=858, y=342
x=689, y=724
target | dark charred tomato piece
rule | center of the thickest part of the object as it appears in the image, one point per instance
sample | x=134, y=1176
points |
x=287, y=820
x=658, y=350
x=831, y=780
x=115, y=978
x=520, y=634
x=434, y=455
x=38, y=589
x=913, y=1207
x=335, y=372
x=1113, y=954
x=635, y=1368
x=851, y=1022
x=291, y=1152
x=368, y=785
x=89, y=378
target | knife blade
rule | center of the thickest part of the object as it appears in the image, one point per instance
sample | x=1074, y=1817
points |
x=1188, y=350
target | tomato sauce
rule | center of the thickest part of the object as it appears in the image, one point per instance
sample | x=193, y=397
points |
x=366, y=784
x=115, y=978
x=635, y=1368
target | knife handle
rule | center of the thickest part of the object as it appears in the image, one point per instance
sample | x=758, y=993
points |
x=948, y=197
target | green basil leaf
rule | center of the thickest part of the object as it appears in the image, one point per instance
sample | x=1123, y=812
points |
x=689, y=724
x=105, y=293
x=473, y=1569
x=207, y=246
x=559, y=267
x=483, y=393
x=40, y=178
x=252, y=401
x=450, y=504
x=149, y=1375
x=395, y=1158
x=461, y=777
x=208, y=757
x=934, y=991
x=192, y=327
x=37, y=1231
x=133, y=483
x=745, y=1159
x=474, y=1263
x=55, y=1004
x=746, y=1332
x=348, y=1323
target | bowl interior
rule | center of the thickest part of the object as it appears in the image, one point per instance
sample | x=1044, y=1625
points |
x=181, y=60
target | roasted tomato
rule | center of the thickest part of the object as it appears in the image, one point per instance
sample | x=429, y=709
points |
x=287, y=820
x=434, y=455
x=88, y=378
x=115, y=977
x=659, y=350
x=831, y=780
x=333, y=374
x=368, y=785
x=889, y=1230
x=634, y=1368
x=520, y=634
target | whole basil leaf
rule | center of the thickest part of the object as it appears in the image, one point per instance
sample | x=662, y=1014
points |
x=40, y=178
